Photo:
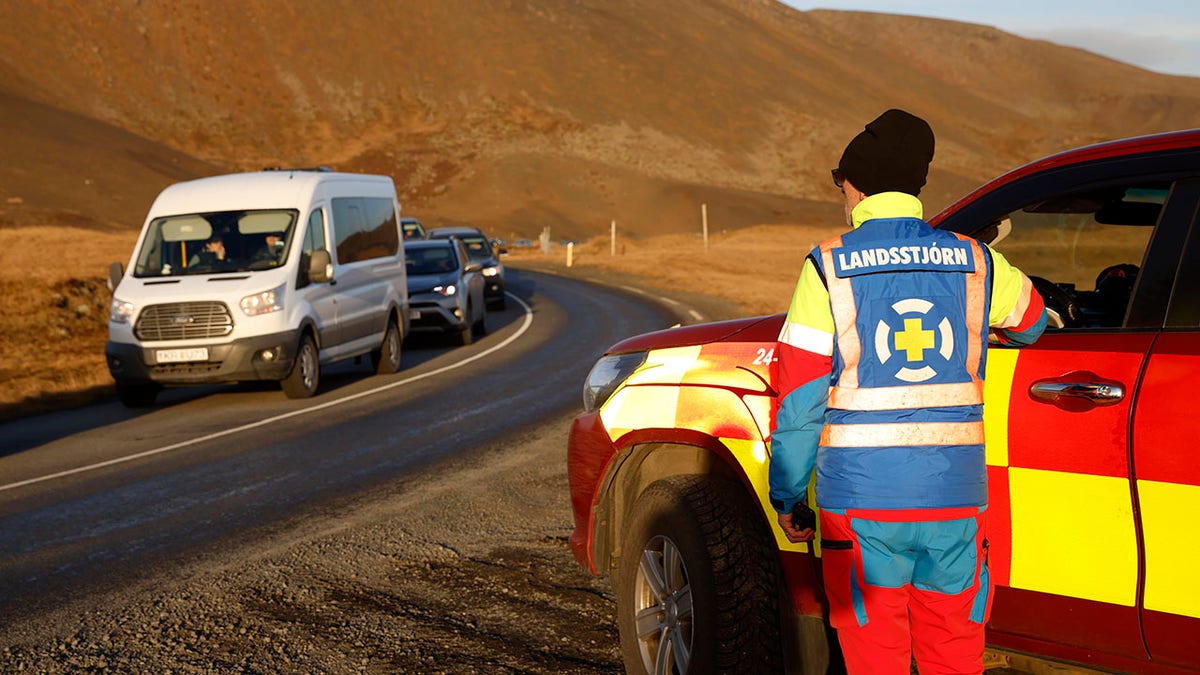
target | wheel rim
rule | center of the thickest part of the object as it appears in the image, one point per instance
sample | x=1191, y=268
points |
x=307, y=366
x=663, y=608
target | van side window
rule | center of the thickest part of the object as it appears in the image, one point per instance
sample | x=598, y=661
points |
x=364, y=228
x=314, y=240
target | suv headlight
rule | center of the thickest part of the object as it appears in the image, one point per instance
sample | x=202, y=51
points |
x=492, y=271
x=446, y=290
x=120, y=311
x=263, y=303
x=608, y=374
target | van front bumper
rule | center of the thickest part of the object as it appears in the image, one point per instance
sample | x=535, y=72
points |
x=263, y=357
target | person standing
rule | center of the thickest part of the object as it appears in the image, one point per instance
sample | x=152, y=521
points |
x=880, y=376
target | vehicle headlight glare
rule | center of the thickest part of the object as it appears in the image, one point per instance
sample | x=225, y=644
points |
x=446, y=290
x=263, y=303
x=607, y=375
x=121, y=311
x=491, y=271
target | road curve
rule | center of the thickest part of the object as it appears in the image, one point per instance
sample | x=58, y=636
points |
x=86, y=495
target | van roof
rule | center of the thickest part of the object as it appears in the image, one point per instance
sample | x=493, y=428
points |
x=261, y=189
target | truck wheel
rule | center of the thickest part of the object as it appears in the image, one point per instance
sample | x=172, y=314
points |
x=137, y=395
x=386, y=359
x=302, y=382
x=697, y=582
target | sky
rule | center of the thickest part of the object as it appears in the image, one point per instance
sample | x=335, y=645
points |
x=1159, y=35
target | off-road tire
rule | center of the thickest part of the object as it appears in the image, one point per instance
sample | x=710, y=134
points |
x=305, y=377
x=731, y=572
x=386, y=359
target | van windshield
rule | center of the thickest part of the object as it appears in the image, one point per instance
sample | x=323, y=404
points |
x=220, y=242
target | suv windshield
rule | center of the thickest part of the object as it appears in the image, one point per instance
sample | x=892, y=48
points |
x=479, y=248
x=430, y=259
x=215, y=243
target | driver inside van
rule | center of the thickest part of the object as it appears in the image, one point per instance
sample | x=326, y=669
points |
x=271, y=251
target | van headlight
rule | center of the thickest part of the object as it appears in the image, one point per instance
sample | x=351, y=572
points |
x=446, y=290
x=491, y=271
x=263, y=303
x=608, y=374
x=120, y=311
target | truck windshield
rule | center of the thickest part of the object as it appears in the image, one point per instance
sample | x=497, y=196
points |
x=219, y=242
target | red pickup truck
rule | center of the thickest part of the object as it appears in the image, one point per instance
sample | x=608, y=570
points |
x=1094, y=478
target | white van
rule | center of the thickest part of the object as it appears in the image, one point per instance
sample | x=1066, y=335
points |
x=259, y=276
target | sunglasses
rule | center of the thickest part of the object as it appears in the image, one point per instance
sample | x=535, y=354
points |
x=839, y=178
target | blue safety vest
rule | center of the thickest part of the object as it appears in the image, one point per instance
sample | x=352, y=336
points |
x=904, y=422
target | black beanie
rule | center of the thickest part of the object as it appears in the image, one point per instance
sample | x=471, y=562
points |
x=891, y=155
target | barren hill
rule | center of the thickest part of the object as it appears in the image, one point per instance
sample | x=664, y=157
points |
x=517, y=114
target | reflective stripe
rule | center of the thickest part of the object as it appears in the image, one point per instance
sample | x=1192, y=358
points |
x=1014, y=317
x=807, y=338
x=908, y=397
x=892, y=435
x=845, y=316
x=977, y=294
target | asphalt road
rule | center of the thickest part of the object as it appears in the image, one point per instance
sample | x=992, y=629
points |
x=95, y=498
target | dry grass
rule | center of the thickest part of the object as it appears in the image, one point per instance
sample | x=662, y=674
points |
x=755, y=268
x=55, y=306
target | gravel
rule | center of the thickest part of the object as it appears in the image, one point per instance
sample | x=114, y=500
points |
x=464, y=568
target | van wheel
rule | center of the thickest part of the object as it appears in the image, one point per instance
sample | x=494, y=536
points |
x=697, y=582
x=137, y=395
x=302, y=382
x=386, y=359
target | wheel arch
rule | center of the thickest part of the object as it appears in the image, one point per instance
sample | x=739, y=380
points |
x=644, y=460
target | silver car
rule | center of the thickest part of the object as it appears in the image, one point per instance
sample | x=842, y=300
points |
x=445, y=289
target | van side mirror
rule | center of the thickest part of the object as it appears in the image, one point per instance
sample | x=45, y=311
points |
x=115, y=272
x=473, y=267
x=320, y=267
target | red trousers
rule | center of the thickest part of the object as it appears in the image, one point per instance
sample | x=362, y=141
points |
x=905, y=584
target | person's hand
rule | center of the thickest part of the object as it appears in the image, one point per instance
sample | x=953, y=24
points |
x=795, y=536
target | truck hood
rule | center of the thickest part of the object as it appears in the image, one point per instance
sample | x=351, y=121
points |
x=752, y=329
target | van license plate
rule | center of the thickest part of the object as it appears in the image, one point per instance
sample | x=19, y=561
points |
x=181, y=355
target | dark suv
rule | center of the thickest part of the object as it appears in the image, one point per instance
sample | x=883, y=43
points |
x=481, y=251
x=1094, y=482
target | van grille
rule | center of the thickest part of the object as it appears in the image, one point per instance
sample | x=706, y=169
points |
x=184, y=321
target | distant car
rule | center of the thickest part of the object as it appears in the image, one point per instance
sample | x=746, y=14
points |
x=481, y=250
x=413, y=229
x=445, y=289
x=523, y=243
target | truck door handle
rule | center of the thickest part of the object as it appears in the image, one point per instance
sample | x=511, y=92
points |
x=1086, y=386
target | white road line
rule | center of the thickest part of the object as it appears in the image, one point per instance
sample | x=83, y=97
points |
x=669, y=301
x=696, y=315
x=525, y=324
x=631, y=288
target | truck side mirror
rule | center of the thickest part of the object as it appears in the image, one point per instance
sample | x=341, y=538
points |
x=320, y=267
x=115, y=272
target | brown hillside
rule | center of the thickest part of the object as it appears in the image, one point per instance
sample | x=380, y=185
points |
x=518, y=114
